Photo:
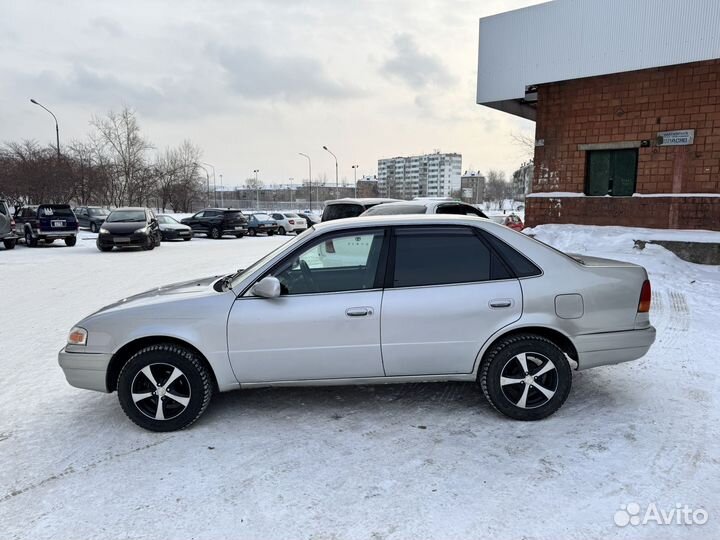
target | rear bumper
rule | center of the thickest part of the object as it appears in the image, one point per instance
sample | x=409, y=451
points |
x=85, y=370
x=54, y=234
x=609, y=348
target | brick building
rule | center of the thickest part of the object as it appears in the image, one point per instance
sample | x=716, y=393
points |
x=627, y=133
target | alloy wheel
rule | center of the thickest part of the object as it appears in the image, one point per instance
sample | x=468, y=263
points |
x=160, y=391
x=529, y=380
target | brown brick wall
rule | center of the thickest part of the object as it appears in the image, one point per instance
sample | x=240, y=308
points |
x=632, y=106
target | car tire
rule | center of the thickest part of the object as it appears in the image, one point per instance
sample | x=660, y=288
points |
x=93, y=227
x=239, y=235
x=149, y=244
x=252, y=232
x=49, y=241
x=70, y=241
x=29, y=240
x=148, y=372
x=10, y=244
x=188, y=238
x=281, y=230
x=215, y=233
x=104, y=248
x=542, y=372
x=270, y=233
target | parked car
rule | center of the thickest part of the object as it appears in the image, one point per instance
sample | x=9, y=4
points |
x=46, y=223
x=7, y=226
x=310, y=220
x=431, y=298
x=129, y=227
x=347, y=208
x=217, y=222
x=91, y=217
x=514, y=222
x=289, y=222
x=172, y=229
x=261, y=223
x=425, y=206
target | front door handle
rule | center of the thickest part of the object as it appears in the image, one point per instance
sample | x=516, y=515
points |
x=500, y=303
x=358, y=311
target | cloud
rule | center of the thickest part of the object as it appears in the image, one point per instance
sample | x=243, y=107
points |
x=415, y=68
x=109, y=26
x=254, y=74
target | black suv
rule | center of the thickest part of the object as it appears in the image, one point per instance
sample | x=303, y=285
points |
x=216, y=222
x=46, y=223
x=129, y=227
x=7, y=226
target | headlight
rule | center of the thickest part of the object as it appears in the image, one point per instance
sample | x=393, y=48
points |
x=78, y=336
x=143, y=230
x=104, y=231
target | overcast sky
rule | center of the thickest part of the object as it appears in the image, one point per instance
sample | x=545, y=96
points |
x=255, y=82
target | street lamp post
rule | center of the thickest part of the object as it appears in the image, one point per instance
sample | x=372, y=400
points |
x=337, y=182
x=257, y=190
x=291, y=191
x=222, y=193
x=355, y=168
x=309, y=176
x=57, y=129
x=207, y=177
x=214, y=185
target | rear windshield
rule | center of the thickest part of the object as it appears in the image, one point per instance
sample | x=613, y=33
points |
x=4, y=209
x=291, y=215
x=233, y=215
x=126, y=215
x=395, y=209
x=55, y=210
x=98, y=211
x=342, y=210
x=167, y=220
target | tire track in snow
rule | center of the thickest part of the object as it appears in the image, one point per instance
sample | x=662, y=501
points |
x=68, y=471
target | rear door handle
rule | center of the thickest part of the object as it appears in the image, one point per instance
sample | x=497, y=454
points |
x=358, y=311
x=500, y=303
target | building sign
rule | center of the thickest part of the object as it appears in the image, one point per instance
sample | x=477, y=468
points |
x=676, y=138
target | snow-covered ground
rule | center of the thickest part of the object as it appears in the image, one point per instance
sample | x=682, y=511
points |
x=413, y=461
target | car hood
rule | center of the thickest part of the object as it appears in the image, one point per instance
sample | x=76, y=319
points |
x=119, y=227
x=174, y=226
x=176, y=291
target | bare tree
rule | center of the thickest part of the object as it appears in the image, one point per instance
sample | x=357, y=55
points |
x=117, y=137
x=497, y=188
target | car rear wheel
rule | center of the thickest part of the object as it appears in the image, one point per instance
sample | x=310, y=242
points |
x=270, y=233
x=10, y=244
x=29, y=240
x=239, y=235
x=93, y=227
x=70, y=241
x=281, y=230
x=526, y=377
x=49, y=240
x=187, y=239
x=252, y=232
x=215, y=233
x=164, y=387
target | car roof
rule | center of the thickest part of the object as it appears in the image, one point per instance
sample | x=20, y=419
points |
x=427, y=203
x=367, y=200
x=133, y=208
x=220, y=210
x=402, y=219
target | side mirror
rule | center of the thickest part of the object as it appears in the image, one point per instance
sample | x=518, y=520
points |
x=267, y=287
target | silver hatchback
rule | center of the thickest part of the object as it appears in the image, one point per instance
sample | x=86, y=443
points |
x=385, y=299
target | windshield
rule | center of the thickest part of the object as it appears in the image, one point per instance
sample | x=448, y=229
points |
x=262, y=217
x=245, y=272
x=98, y=211
x=394, y=209
x=167, y=220
x=126, y=215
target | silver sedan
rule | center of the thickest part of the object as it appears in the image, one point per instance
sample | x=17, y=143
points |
x=387, y=299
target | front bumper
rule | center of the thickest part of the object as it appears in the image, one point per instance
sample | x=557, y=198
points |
x=116, y=240
x=172, y=234
x=609, y=348
x=85, y=370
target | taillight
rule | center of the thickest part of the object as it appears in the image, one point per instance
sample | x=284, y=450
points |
x=645, y=297
x=291, y=221
x=12, y=222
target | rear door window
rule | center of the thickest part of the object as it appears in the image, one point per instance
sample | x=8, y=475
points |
x=519, y=264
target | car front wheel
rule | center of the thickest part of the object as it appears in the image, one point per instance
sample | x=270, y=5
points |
x=93, y=227
x=10, y=244
x=525, y=377
x=164, y=387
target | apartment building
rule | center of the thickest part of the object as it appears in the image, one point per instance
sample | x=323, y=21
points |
x=429, y=175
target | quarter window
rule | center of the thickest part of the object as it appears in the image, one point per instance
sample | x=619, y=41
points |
x=611, y=172
x=432, y=256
